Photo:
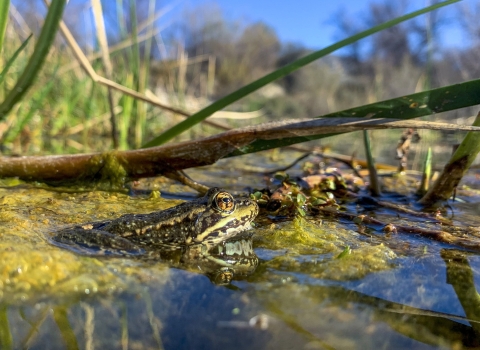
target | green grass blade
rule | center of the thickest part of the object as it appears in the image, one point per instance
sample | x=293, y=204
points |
x=35, y=62
x=289, y=68
x=372, y=170
x=12, y=59
x=426, y=174
x=406, y=107
x=35, y=105
x=4, y=6
x=416, y=105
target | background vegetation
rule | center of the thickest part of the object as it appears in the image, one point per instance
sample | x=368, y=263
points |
x=190, y=61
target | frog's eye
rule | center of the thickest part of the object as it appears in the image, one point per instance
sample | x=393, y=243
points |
x=224, y=203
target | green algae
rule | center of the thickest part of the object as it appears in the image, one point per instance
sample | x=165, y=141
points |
x=311, y=249
x=32, y=268
x=113, y=174
x=300, y=236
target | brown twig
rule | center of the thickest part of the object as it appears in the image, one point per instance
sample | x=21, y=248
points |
x=158, y=160
x=183, y=178
x=348, y=160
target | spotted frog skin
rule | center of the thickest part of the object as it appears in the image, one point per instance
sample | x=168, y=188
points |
x=210, y=219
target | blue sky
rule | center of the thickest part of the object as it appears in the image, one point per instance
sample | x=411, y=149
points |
x=309, y=22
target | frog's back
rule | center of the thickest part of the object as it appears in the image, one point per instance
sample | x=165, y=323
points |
x=213, y=218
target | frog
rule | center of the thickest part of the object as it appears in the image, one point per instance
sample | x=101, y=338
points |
x=213, y=218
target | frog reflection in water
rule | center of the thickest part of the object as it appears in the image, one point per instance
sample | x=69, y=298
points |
x=210, y=220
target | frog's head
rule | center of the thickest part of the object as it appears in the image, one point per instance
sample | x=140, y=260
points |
x=224, y=217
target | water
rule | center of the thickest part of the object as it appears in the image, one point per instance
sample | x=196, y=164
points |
x=394, y=291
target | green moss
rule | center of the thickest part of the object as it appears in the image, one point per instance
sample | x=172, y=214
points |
x=113, y=172
x=107, y=171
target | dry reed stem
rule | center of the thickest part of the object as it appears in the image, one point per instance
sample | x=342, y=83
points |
x=121, y=45
x=220, y=114
x=102, y=40
x=20, y=20
x=127, y=42
x=91, y=122
x=80, y=56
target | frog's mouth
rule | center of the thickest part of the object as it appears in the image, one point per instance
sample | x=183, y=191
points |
x=213, y=226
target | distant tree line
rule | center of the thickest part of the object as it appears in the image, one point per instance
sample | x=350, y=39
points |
x=404, y=59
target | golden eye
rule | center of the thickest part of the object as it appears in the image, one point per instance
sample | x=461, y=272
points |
x=224, y=202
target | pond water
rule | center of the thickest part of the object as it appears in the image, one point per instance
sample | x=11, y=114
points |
x=393, y=291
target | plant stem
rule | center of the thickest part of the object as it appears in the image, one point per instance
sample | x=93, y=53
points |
x=454, y=170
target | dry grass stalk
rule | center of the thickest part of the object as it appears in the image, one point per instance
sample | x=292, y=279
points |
x=102, y=39
x=80, y=56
